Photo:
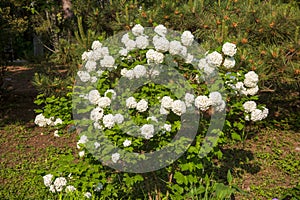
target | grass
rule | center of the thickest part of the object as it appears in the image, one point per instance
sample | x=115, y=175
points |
x=264, y=166
x=276, y=156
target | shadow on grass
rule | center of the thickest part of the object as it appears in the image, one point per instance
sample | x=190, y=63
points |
x=238, y=161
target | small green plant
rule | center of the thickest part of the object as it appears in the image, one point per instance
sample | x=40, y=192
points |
x=56, y=107
x=291, y=193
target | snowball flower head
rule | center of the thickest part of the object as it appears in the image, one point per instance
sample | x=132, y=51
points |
x=125, y=38
x=202, y=102
x=203, y=66
x=251, y=79
x=189, y=99
x=128, y=73
x=187, y=38
x=142, y=105
x=189, y=58
x=221, y=106
x=123, y=52
x=137, y=30
x=59, y=183
x=177, y=49
x=115, y=157
x=216, y=98
x=130, y=45
x=214, y=59
x=154, y=57
x=141, y=42
x=229, y=49
x=94, y=96
x=252, y=91
x=87, y=195
x=229, y=62
x=127, y=143
x=167, y=127
x=108, y=121
x=96, y=114
x=108, y=61
x=96, y=45
x=178, y=107
x=40, y=120
x=256, y=115
x=166, y=102
x=139, y=71
x=131, y=102
x=118, y=118
x=147, y=131
x=84, y=76
x=85, y=56
x=70, y=188
x=104, y=102
x=48, y=180
x=90, y=66
x=160, y=30
x=161, y=43
x=249, y=106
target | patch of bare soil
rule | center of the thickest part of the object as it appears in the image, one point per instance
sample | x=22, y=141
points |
x=19, y=135
x=17, y=105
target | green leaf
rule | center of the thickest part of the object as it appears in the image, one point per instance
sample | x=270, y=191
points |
x=229, y=177
x=236, y=136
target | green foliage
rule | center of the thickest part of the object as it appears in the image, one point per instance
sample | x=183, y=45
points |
x=55, y=106
x=291, y=193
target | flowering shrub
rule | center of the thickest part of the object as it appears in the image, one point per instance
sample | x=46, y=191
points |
x=136, y=93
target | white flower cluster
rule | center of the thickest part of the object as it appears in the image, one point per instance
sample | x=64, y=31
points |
x=187, y=38
x=254, y=114
x=214, y=99
x=57, y=185
x=97, y=54
x=177, y=106
x=115, y=157
x=83, y=139
x=160, y=42
x=141, y=106
x=97, y=113
x=141, y=41
x=137, y=72
x=127, y=143
x=147, y=130
x=42, y=121
x=229, y=50
x=249, y=85
x=60, y=184
x=102, y=102
x=189, y=99
x=176, y=48
x=154, y=57
x=213, y=60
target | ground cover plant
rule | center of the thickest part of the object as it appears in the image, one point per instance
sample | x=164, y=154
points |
x=250, y=162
